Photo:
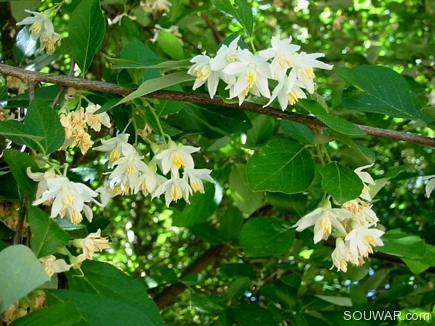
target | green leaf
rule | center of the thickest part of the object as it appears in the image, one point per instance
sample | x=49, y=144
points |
x=338, y=301
x=379, y=90
x=41, y=129
x=21, y=273
x=207, y=303
x=297, y=131
x=289, y=204
x=265, y=236
x=201, y=207
x=282, y=166
x=156, y=84
x=86, y=32
x=241, y=11
x=18, y=163
x=231, y=224
x=5, y=232
x=107, y=281
x=263, y=128
x=340, y=182
x=61, y=314
x=47, y=236
x=238, y=287
x=333, y=122
x=419, y=266
x=246, y=200
x=400, y=244
x=101, y=310
x=41, y=120
x=170, y=44
x=15, y=132
x=251, y=314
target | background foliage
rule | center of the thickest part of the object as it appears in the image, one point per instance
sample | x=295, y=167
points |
x=231, y=256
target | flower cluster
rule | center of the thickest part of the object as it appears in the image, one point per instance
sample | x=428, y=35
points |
x=41, y=27
x=351, y=225
x=66, y=198
x=131, y=174
x=246, y=73
x=76, y=124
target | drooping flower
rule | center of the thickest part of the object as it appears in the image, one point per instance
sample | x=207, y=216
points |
x=252, y=73
x=363, y=211
x=362, y=238
x=149, y=181
x=42, y=28
x=287, y=91
x=69, y=199
x=201, y=69
x=367, y=179
x=96, y=120
x=195, y=177
x=342, y=255
x=92, y=243
x=174, y=189
x=430, y=185
x=302, y=67
x=113, y=146
x=282, y=51
x=53, y=265
x=323, y=219
x=175, y=157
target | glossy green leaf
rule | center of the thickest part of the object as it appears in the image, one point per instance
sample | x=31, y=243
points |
x=231, y=223
x=265, y=236
x=340, y=182
x=47, y=236
x=115, y=285
x=297, y=131
x=60, y=314
x=86, y=32
x=419, y=266
x=170, y=44
x=18, y=163
x=333, y=122
x=263, y=128
x=156, y=84
x=238, y=287
x=201, y=207
x=41, y=129
x=101, y=310
x=282, y=166
x=379, y=90
x=21, y=273
x=207, y=303
x=400, y=244
x=338, y=301
x=245, y=199
x=241, y=11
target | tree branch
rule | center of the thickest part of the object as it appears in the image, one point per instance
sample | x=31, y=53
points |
x=104, y=87
x=169, y=294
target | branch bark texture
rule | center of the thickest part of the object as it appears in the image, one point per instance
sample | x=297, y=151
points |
x=104, y=87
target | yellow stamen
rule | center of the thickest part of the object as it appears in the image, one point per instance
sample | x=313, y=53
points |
x=308, y=73
x=177, y=159
x=176, y=193
x=293, y=97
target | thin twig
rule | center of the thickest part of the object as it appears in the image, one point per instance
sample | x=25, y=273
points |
x=21, y=217
x=104, y=87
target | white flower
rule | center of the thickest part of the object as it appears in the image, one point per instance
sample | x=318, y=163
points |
x=252, y=73
x=366, y=179
x=42, y=28
x=69, y=199
x=342, y=255
x=174, y=189
x=282, y=52
x=128, y=167
x=92, y=243
x=96, y=120
x=52, y=265
x=287, y=91
x=41, y=178
x=323, y=219
x=106, y=192
x=175, y=157
x=226, y=55
x=302, y=67
x=430, y=185
x=363, y=211
x=203, y=73
x=114, y=147
x=148, y=182
x=195, y=177
x=362, y=239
